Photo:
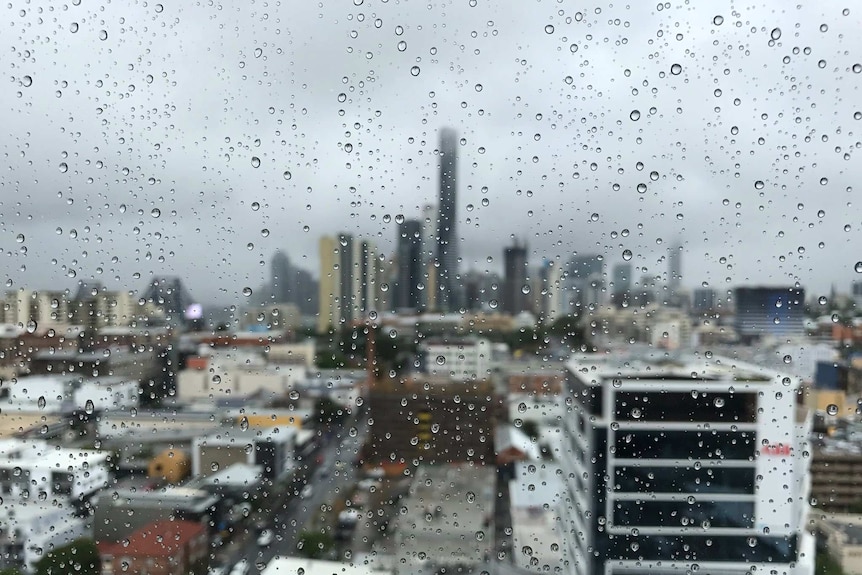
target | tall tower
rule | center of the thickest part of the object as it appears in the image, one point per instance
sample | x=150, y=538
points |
x=409, y=246
x=329, y=287
x=447, y=238
x=280, y=277
x=674, y=268
x=515, y=263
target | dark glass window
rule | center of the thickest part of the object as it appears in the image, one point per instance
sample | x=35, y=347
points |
x=686, y=407
x=685, y=445
x=641, y=513
x=684, y=479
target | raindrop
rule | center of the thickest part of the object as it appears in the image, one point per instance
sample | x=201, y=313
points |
x=255, y=206
x=19, y=238
x=246, y=291
x=156, y=212
x=74, y=27
x=41, y=402
x=627, y=255
x=89, y=407
x=676, y=69
x=255, y=162
x=287, y=175
x=775, y=34
x=549, y=29
x=832, y=409
x=718, y=20
x=441, y=360
x=64, y=167
x=858, y=267
x=758, y=185
x=635, y=115
x=103, y=35
x=27, y=81
x=857, y=68
x=243, y=423
x=402, y=45
x=415, y=70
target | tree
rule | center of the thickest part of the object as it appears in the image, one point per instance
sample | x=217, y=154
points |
x=80, y=557
x=313, y=544
x=10, y=571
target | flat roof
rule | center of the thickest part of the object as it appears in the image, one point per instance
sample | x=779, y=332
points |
x=659, y=365
x=238, y=474
x=13, y=421
x=294, y=565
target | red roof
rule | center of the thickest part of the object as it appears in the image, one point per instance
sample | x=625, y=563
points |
x=158, y=539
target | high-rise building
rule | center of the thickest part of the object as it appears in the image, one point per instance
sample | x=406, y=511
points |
x=674, y=268
x=448, y=286
x=429, y=254
x=329, y=286
x=668, y=473
x=280, y=275
x=856, y=293
x=349, y=280
x=515, y=300
x=408, y=296
x=761, y=312
x=703, y=300
x=548, y=294
x=584, y=282
x=622, y=278
x=169, y=295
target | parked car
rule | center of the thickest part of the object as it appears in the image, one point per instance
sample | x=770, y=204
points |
x=265, y=538
x=241, y=568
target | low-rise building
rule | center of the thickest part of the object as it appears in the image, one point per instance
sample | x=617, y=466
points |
x=285, y=565
x=535, y=494
x=461, y=359
x=34, y=469
x=30, y=529
x=161, y=548
x=447, y=518
x=271, y=448
x=842, y=536
x=57, y=394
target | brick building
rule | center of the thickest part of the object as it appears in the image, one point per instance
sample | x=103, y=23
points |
x=160, y=548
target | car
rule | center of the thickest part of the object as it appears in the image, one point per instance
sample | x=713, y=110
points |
x=265, y=538
x=241, y=568
x=307, y=492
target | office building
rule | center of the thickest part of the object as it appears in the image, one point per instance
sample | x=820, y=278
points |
x=763, y=312
x=674, y=465
x=349, y=280
x=584, y=282
x=448, y=286
x=429, y=255
x=408, y=295
x=36, y=310
x=622, y=278
x=515, y=283
x=170, y=296
x=674, y=268
x=548, y=293
x=704, y=300
x=856, y=294
x=279, y=279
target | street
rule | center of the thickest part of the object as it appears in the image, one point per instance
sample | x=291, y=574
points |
x=290, y=518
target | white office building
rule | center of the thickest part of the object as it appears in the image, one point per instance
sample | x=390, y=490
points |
x=29, y=530
x=461, y=359
x=677, y=465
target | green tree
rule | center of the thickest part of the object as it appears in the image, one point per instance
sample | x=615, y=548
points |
x=313, y=544
x=9, y=571
x=80, y=557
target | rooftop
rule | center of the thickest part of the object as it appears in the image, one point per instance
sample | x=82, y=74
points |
x=159, y=539
x=294, y=565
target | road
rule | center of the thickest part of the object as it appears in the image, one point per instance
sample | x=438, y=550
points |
x=289, y=519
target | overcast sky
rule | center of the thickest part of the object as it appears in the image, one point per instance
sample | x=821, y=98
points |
x=197, y=138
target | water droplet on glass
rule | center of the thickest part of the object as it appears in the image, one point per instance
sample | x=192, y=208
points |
x=858, y=267
x=627, y=255
x=103, y=35
x=832, y=409
x=64, y=167
x=549, y=29
x=635, y=115
x=156, y=212
x=246, y=291
x=41, y=402
x=287, y=175
x=414, y=71
x=676, y=69
x=402, y=45
x=718, y=20
x=255, y=162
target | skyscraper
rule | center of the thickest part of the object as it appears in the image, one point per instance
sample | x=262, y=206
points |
x=409, y=246
x=279, y=277
x=447, y=238
x=515, y=264
x=674, y=268
x=349, y=283
x=429, y=254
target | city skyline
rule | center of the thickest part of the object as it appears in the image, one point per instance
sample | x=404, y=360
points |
x=130, y=176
